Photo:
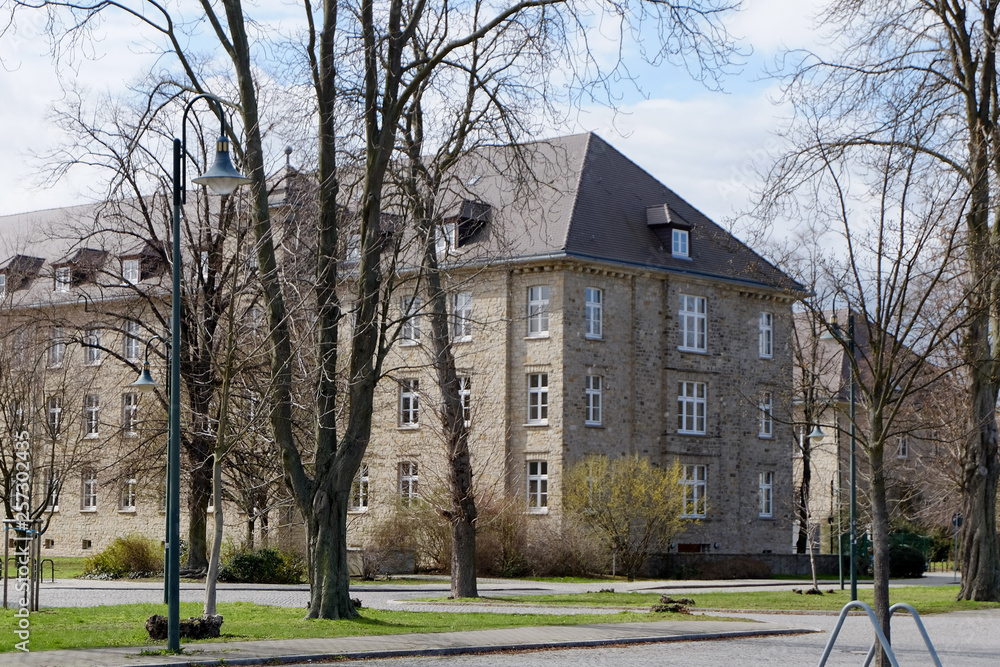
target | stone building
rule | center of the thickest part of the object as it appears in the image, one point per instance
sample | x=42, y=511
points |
x=613, y=317
x=593, y=310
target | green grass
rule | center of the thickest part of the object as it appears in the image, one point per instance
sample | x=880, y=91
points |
x=926, y=600
x=66, y=567
x=124, y=625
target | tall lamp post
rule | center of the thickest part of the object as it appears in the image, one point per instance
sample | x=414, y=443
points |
x=222, y=179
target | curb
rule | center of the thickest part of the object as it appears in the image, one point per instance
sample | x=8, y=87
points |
x=466, y=650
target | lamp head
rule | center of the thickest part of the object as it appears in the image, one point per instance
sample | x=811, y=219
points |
x=222, y=178
x=816, y=433
x=145, y=383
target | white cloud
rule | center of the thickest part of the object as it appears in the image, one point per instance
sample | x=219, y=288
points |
x=772, y=25
x=708, y=149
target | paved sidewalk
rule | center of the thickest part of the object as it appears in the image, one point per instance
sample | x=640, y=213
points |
x=446, y=643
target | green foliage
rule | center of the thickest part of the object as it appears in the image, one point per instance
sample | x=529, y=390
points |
x=632, y=505
x=132, y=556
x=262, y=566
x=905, y=562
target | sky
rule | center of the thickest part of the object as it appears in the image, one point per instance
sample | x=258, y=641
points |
x=706, y=145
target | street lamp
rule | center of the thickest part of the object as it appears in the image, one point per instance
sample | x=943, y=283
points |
x=835, y=333
x=222, y=179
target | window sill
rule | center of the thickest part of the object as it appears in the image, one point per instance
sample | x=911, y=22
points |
x=765, y=436
x=408, y=427
x=409, y=343
x=538, y=336
x=694, y=517
x=93, y=364
x=130, y=434
x=692, y=350
x=543, y=424
x=679, y=256
x=593, y=424
x=126, y=510
x=52, y=509
x=592, y=337
x=766, y=517
x=537, y=510
x=767, y=357
x=358, y=510
x=463, y=339
x=691, y=433
x=92, y=436
x=88, y=510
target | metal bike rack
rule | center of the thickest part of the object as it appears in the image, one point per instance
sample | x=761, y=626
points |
x=879, y=635
x=920, y=626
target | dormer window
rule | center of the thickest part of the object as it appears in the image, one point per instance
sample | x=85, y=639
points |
x=63, y=278
x=680, y=243
x=130, y=271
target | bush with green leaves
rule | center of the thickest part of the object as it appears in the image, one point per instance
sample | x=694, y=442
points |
x=263, y=566
x=133, y=556
x=905, y=562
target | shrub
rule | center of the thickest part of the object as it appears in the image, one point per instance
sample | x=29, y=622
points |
x=132, y=556
x=262, y=566
x=905, y=562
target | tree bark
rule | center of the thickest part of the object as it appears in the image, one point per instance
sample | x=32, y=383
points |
x=880, y=543
x=199, y=492
x=212, y=575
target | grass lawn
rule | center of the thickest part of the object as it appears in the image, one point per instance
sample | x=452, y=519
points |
x=926, y=600
x=66, y=567
x=124, y=625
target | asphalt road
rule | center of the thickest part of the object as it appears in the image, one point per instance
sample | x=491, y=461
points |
x=962, y=639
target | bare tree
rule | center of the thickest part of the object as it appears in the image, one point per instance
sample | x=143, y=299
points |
x=921, y=75
x=893, y=252
x=355, y=59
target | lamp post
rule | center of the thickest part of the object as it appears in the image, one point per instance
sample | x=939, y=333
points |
x=222, y=179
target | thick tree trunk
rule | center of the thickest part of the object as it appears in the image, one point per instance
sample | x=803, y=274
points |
x=199, y=493
x=802, y=542
x=329, y=589
x=980, y=473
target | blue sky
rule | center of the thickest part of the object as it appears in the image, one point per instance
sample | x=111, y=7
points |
x=706, y=145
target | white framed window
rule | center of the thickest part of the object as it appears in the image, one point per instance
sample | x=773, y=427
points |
x=680, y=243
x=692, y=322
x=538, y=398
x=766, y=426
x=88, y=492
x=3, y=285
x=461, y=316
x=53, y=416
x=52, y=487
x=130, y=271
x=132, y=343
x=408, y=483
x=353, y=248
x=410, y=331
x=409, y=403
x=92, y=343
x=766, y=335
x=465, y=396
x=57, y=348
x=765, y=486
x=204, y=265
x=538, y=311
x=691, y=408
x=592, y=392
x=903, y=448
x=91, y=415
x=594, y=312
x=359, y=489
x=130, y=412
x=127, y=500
x=63, y=278
x=538, y=486
x=695, y=484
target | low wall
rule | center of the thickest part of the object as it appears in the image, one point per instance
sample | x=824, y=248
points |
x=736, y=566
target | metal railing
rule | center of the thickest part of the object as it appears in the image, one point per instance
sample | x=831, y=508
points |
x=880, y=638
